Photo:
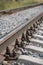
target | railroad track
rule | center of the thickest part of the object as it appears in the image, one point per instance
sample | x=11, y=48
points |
x=36, y=47
x=31, y=52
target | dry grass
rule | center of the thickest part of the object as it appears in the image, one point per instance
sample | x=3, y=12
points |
x=39, y=1
x=10, y=4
